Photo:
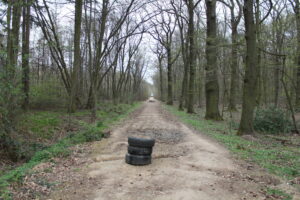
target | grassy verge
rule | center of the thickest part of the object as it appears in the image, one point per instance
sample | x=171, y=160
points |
x=278, y=194
x=280, y=159
x=41, y=123
x=107, y=116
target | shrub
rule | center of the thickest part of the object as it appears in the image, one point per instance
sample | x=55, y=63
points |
x=41, y=124
x=49, y=94
x=10, y=97
x=272, y=120
x=93, y=134
x=89, y=135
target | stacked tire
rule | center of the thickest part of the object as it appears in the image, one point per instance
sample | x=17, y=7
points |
x=139, y=151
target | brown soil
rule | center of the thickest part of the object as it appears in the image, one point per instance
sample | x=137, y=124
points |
x=185, y=166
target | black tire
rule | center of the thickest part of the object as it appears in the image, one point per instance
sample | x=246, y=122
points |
x=139, y=150
x=137, y=159
x=140, y=142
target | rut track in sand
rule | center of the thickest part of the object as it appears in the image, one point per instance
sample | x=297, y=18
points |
x=185, y=166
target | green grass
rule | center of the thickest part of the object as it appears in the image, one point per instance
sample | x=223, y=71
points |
x=278, y=159
x=279, y=194
x=41, y=124
x=90, y=132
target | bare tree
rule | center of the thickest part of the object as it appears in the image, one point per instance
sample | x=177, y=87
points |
x=234, y=22
x=182, y=21
x=163, y=30
x=160, y=56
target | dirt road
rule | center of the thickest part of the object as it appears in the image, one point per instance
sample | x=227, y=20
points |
x=186, y=166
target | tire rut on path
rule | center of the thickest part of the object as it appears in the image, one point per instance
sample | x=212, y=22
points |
x=185, y=165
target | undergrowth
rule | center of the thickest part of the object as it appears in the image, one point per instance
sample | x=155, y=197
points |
x=41, y=123
x=272, y=120
x=90, y=132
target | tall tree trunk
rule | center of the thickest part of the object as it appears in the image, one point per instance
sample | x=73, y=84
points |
x=192, y=57
x=297, y=12
x=251, y=73
x=95, y=70
x=77, y=56
x=258, y=31
x=10, y=100
x=234, y=62
x=276, y=80
x=94, y=102
x=170, y=76
x=161, y=86
x=8, y=21
x=184, y=86
x=25, y=54
x=211, y=86
x=201, y=81
x=278, y=42
x=13, y=40
x=114, y=85
x=234, y=72
x=88, y=22
x=184, y=46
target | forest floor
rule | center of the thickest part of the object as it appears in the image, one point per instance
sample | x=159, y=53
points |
x=51, y=135
x=37, y=130
x=186, y=165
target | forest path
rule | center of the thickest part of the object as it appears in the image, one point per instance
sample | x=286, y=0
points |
x=185, y=166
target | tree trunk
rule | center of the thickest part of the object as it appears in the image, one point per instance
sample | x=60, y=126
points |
x=25, y=54
x=277, y=71
x=99, y=54
x=13, y=40
x=10, y=100
x=192, y=57
x=288, y=97
x=184, y=47
x=94, y=102
x=114, y=85
x=77, y=56
x=297, y=12
x=276, y=81
x=211, y=86
x=259, y=69
x=161, y=86
x=251, y=73
x=278, y=64
x=184, y=86
x=8, y=21
x=170, y=78
x=234, y=64
x=200, y=92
